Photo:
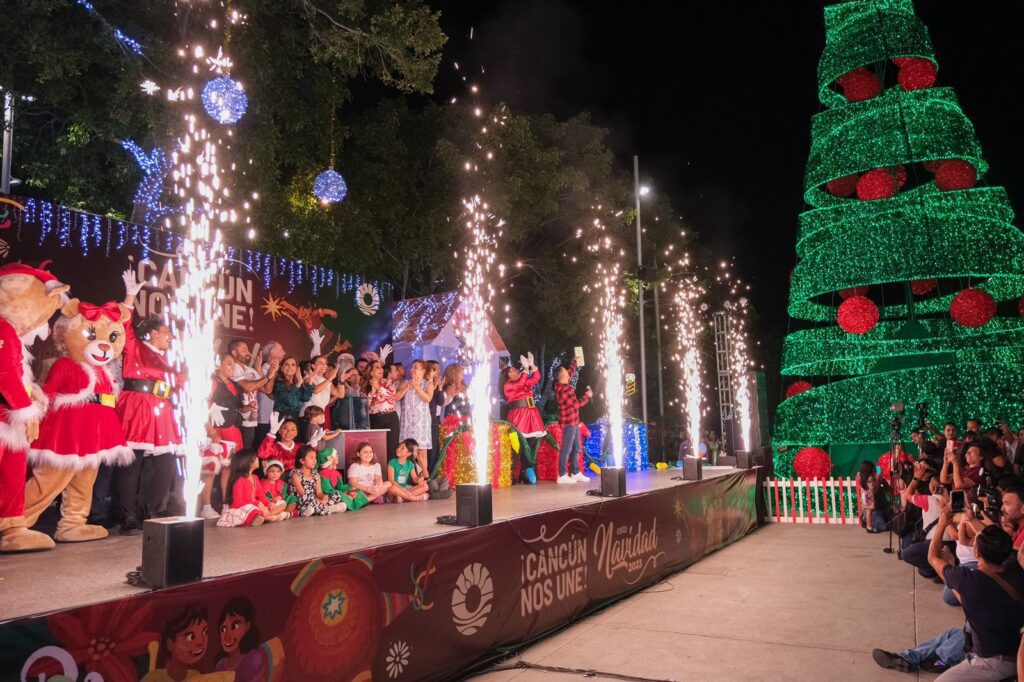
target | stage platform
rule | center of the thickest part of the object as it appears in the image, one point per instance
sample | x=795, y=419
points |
x=552, y=554
x=97, y=569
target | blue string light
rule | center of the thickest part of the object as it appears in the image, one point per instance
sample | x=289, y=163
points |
x=224, y=100
x=329, y=187
x=86, y=230
x=634, y=442
x=127, y=42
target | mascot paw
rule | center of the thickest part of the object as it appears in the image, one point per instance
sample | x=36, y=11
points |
x=24, y=540
x=83, y=533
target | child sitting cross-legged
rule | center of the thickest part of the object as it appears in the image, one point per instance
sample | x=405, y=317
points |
x=305, y=484
x=244, y=506
x=331, y=483
x=276, y=494
x=364, y=474
x=406, y=484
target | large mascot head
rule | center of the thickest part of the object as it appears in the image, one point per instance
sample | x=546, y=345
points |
x=28, y=299
x=90, y=333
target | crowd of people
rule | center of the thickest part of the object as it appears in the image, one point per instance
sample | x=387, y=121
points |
x=958, y=507
x=273, y=422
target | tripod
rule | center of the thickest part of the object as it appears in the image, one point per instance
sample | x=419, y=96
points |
x=895, y=473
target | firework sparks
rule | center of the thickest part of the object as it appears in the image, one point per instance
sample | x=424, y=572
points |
x=611, y=303
x=739, y=366
x=200, y=182
x=688, y=357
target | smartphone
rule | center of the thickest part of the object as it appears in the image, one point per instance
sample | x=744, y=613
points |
x=579, y=354
x=956, y=501
x=878, y=469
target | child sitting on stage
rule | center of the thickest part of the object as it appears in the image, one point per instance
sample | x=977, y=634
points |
x=275, y=492
x=364, y=474
x=305, y=484
x=316, y=436
x=331, y=483
x=244, y=507
x=406, y=484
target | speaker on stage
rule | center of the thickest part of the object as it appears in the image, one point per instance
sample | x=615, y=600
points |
x=172, y=551
x=693, y=468
x=473, y=504
x=744, y=459
x=613, y=481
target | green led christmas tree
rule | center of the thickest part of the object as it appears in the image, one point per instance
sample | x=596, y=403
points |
x=910, y=271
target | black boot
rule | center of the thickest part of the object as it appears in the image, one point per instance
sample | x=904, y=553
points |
x=130, y=523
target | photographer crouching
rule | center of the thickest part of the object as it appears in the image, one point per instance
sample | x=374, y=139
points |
x=986, y=648
x=923, y=492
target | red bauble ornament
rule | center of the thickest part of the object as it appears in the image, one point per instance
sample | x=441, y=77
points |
x=915, y=73
x=852, y=291
x=860, y=84
x=876, y=184
x=812, y=463
x=858, y=315
x=844, y=186
x=921, y=287
x=885, y=462
x=972, y=307
x=933, y=165
x=1020, y=306
x=798, y=387
x=955, y=174
x=899, y=173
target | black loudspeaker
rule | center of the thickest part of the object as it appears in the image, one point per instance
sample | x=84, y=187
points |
x=744, y=459
x=473, y=504
x=613, y=481
x=172, y=551
x=693, y=468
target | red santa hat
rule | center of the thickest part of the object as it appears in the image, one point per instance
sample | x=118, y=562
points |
x=273, y=463
x=40, y=273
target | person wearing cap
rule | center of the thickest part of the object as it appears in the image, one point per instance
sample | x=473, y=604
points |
x=28, y=298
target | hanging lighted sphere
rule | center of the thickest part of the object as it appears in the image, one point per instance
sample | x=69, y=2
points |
x=329, y=187
x=224, y=100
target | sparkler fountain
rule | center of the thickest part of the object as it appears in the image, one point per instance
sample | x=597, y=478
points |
x=202, y=187
x=611, y=301
x=688, y=357
x=739, y=365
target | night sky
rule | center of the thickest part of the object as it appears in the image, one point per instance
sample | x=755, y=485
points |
x=716, y=97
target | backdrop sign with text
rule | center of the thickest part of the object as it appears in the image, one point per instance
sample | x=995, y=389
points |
x=425, y=609
x=263, y=297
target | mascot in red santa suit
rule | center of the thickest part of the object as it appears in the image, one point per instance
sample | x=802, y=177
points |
x=81, y=429
x=28, y=298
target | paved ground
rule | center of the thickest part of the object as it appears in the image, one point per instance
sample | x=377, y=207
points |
x=786, y=603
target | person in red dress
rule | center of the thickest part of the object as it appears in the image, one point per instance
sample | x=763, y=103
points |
x=522, y=410
x=81, y=429
x=28, y=298
x=147, y=414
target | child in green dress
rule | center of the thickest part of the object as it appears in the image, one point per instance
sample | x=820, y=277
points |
x=331, y=483
x=406, y=484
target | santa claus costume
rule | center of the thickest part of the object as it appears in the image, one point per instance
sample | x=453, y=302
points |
x=523, y=414
x=144, y=404
x=80, y=432
x=149, y=421
x=22, y=402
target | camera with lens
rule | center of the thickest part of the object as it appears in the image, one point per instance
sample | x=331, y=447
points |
x=993, y=501
x=922, y=416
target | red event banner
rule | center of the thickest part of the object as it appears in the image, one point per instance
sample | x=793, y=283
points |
x=425, y=609
x=263, y=297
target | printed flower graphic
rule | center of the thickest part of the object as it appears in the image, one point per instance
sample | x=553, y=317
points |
x=367, y=299
x=471, y=599
x=104, y=637
x=397, y=658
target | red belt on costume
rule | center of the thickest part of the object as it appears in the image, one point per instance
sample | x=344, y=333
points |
x=161, y=389
x=526, y=402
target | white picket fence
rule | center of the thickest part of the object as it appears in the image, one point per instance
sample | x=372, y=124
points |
x=833, y=501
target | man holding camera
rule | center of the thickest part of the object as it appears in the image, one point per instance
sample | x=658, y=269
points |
x=923, y=493
x=992, y=602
